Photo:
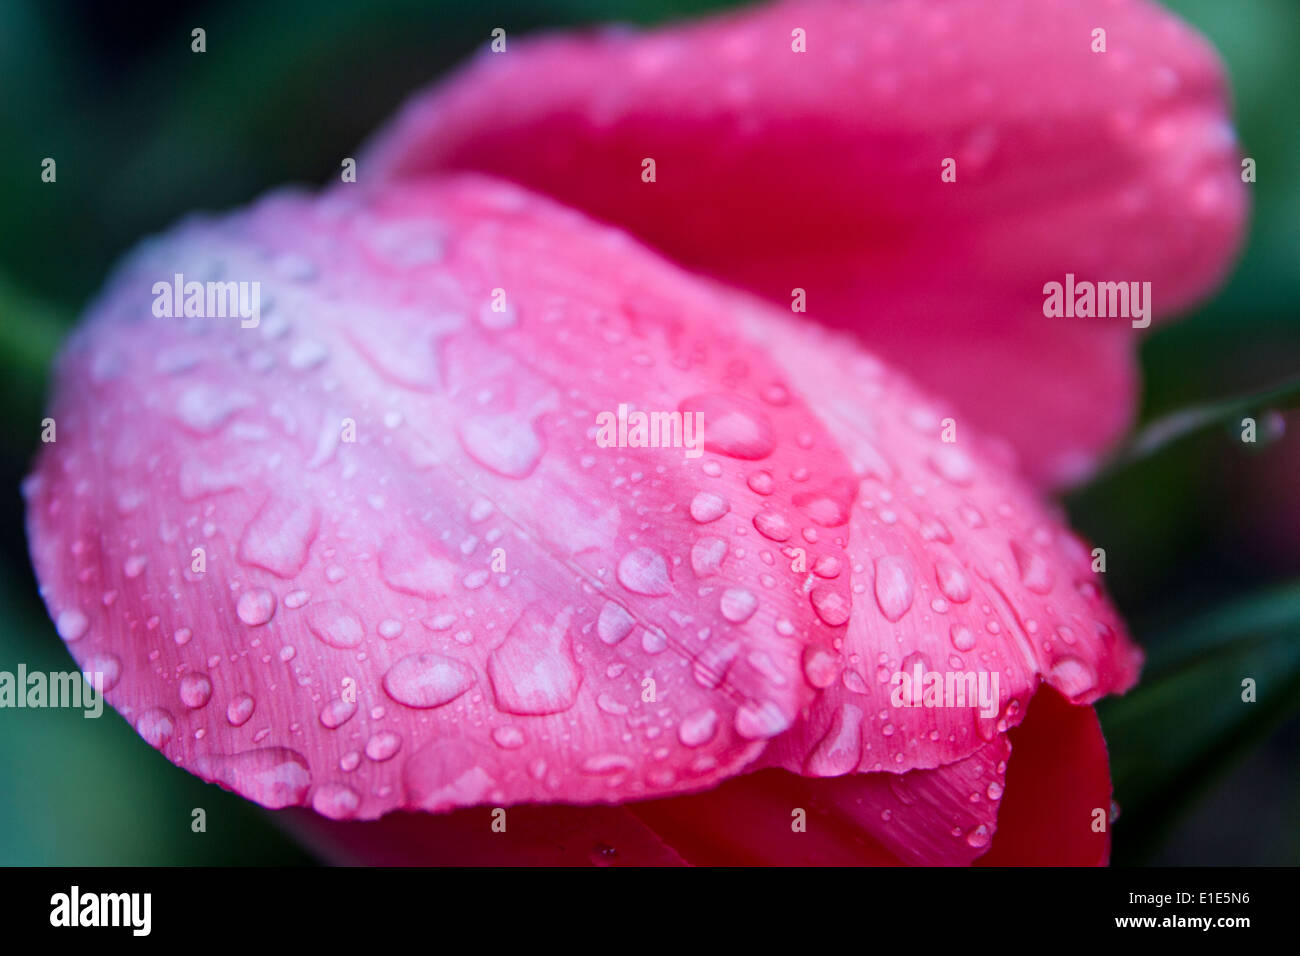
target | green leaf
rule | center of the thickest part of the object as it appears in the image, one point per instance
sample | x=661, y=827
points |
x=1225, y=413
x=1186, y=722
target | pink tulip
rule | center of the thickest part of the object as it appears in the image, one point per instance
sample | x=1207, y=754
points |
x=821, y=171
x=370, y=553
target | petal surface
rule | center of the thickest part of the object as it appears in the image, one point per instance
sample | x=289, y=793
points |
x=1027, y=800
x=370, y=554
x=820, y=171
x=1058, y=790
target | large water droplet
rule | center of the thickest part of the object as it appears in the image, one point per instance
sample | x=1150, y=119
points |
x=831, y=605
x=240, y=709
x=72, y=625
x=1072, y=677
x=383, y=745
x=759, y=720
x=820, y=666
x=156, y=726
x=614, y=623
x=698, y=729
x=773, y=525
x=644, y=571
x=279, y=537
x=737, y=605
x=275, y=777
x=196, y=690
x=952, y=582
x=533, y=671
x=707, y=555
x=1035, y=572
x=335, y=801
x=256, y=607
x=427, y=680
x=706, y=507
x=838, y=751
x=335, y=625
x=505, y=444
x=337, y=713
x=894, y=586
x=107, y=666
x=733, y=426
x=418, y=567
x=443, y=775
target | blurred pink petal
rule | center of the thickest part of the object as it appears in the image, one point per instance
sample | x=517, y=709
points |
x=778, y=170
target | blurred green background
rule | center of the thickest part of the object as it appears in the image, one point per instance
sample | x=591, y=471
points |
x=1203, y=540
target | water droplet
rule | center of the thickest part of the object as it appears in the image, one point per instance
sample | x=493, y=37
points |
x=829, y=511
x=445, y=774
x=279, y=537
x=156, y=726
x=337, y=713
x=614, y=623
x=644, y=571
x=894, y=586
x=733, y=426
x=1035, y=573
x=952, y=582
x=838, y=751
x=761, y=483
x=508, y=738
x=240, y=709
x=831, y=605
x=698, y=729
x=533, y=671
x=773, y=525
x=72, y=625
x=707, y=555
x=820, y=666
x=962, y=637
x=196, y=690
x=737, y=605
x=706, y=507
x=412, y=566
x=256, y=607
x=1072, y=677
x=107, y=666
x=335, y=625
x=383, y=745
x=336, y=801
x=275, y=777
x=759, y=720
x=427, y=680
x=505, y=444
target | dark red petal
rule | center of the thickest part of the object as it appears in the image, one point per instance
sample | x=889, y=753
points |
x=1058, y=789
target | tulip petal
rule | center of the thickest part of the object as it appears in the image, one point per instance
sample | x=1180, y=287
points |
x=779, y=170
x=1027, y=800
x=959, y=575
x=1058, y=790
x=424, y=583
